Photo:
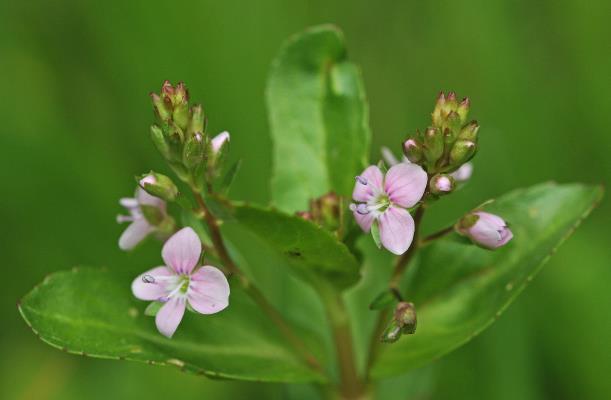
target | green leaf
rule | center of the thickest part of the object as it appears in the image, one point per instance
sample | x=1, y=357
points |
x=312, y=252
x=460, y=289
x=318, y=117
x=92, y=312
x=229, y=177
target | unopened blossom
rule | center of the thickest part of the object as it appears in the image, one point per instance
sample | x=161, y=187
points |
x=139, y=227
x=441, y=184
x=463, y=173
x=218, y=141
x=385, y=199
x=485, y=229
x=180, y=282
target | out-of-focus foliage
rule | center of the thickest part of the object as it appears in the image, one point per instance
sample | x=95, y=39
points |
x=75, y=116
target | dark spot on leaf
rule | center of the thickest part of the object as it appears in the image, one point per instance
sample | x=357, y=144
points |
x=294, y=253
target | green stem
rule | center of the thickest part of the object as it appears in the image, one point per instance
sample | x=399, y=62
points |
x=437, y=235
x=393, y=285
x=351, y=385
x=251, y=289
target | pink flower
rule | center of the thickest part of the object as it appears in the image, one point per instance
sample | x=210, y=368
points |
x=205, y=289
x=385, y=200
x=463, y=173
x=140, y=227
x=485, y=229
x=218, y=141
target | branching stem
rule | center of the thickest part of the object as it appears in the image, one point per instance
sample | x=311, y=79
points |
x=393, y=286
x=251, y=289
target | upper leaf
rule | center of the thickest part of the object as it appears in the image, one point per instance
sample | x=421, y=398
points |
x=460, y=289
x=312, y=252
x=92, y=312
x=318, y=117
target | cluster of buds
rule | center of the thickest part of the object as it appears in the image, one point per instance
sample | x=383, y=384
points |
x=180, y=136
x=324, y=211
x=403, y=323
x=446, y=145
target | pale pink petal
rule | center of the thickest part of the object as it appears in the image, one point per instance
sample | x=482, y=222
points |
x=151, y=290
x=134, y=234
x=388, y=156
x=170, y=315
x=396, y=230
x=128, y=202
x=368, y=184
x=506, y=236
x=463, y=173
x=182, y=251
x=405, y=184
x=218, y=141
x=209, y=290
x=146, y=199
x=490, y=231
x=364, y=220
x=490, y=219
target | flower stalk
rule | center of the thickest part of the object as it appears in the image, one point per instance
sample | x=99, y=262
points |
x=255, y=294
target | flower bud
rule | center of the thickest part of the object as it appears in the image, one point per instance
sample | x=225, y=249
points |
x=404, y=322
x=433, y=144
x=392, y=333
x=158, y=185
x=405, y=315
x=438, y=112
x=412, y=150
x=196, y=124
x=463, y=109
x=469, y=131
x=160, y=142
x=462, y=151
x=161, y=110
x=194, y=151
x=325, y=211
x=441, y=184
x=484, y=229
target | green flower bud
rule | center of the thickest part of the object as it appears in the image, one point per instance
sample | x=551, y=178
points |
x=463, y=109
x=392, y=333
x=160, y=141
x=469, y=131
x=158, y=185
x=180, y=115
x=196, y=124
x=438, y=113
x=161, y=110
x=412, y=150
x=453, y=122
x=194, y=151
x=462, y=151
x=404, y=322
x=433, y=144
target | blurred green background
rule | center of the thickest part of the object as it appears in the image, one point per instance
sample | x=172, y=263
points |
x=75, y=116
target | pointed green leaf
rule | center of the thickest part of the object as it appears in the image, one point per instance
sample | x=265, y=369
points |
x=92, y=312
x=310, y=251
x=460, y=289
x=318, y=117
